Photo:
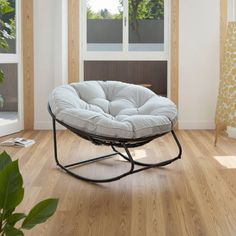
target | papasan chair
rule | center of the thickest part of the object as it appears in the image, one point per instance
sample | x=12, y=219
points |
x=115, y=114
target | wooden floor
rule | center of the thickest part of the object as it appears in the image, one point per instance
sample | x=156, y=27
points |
x=193, y=196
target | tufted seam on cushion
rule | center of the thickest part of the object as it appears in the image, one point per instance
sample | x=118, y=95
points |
x=79, y=90
x=98, y=114
x=92, y=123
x=149, y=98
x=133, y=129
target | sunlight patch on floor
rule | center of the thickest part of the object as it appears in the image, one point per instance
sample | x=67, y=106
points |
x=227, y=161
x=137, y=155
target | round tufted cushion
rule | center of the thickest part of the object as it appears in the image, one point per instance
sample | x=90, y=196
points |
x=113, y=109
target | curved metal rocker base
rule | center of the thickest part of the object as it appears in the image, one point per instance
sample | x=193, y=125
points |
x=98, y=140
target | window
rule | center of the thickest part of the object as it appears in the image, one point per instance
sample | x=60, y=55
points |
x=104, y=25
x=125, y=29
x=146, y=25
x=10, y=67
x=126, y=40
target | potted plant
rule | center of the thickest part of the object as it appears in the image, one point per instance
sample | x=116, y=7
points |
x=11, y=195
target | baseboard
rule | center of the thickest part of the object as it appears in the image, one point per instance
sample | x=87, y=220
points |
x=196, y=125
x=46, y=125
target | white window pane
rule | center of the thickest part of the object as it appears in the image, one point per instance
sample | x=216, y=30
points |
x=146, y=25
x=9, y=88
x=104, y=25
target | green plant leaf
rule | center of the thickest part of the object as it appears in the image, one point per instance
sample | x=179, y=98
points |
x=3, y=43
x=11, y=190
x=7, y=213
x=5, y=159
x=1, y=76
x=40, y=213
x=14, y=218
x=11, y=231
x=7, y=9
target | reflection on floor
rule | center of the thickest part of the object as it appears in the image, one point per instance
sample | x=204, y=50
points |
x=227, y=161
x=8, y=118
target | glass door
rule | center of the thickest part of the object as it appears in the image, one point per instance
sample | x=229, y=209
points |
x=10, y=68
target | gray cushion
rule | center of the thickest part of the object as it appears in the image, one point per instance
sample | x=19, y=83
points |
x=113, y=109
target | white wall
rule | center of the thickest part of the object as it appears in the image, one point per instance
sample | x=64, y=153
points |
x=199, y=63
x=199, y=59
x=50, y=27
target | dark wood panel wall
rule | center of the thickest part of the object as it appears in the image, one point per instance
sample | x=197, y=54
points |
x=152, y=73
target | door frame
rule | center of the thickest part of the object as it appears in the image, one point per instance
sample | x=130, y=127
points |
x=26, y=87
x=28, y=62
x=16, y=59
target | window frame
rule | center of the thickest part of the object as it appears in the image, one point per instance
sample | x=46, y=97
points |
x=124, y=55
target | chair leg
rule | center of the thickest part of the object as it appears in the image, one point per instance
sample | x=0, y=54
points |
x=55, y=140
x=163, y=163
x=127, y=157
x=66, y=168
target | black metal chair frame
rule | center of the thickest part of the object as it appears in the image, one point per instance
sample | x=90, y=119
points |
x=113, y=143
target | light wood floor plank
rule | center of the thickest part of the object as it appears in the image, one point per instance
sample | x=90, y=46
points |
x=193, y=196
